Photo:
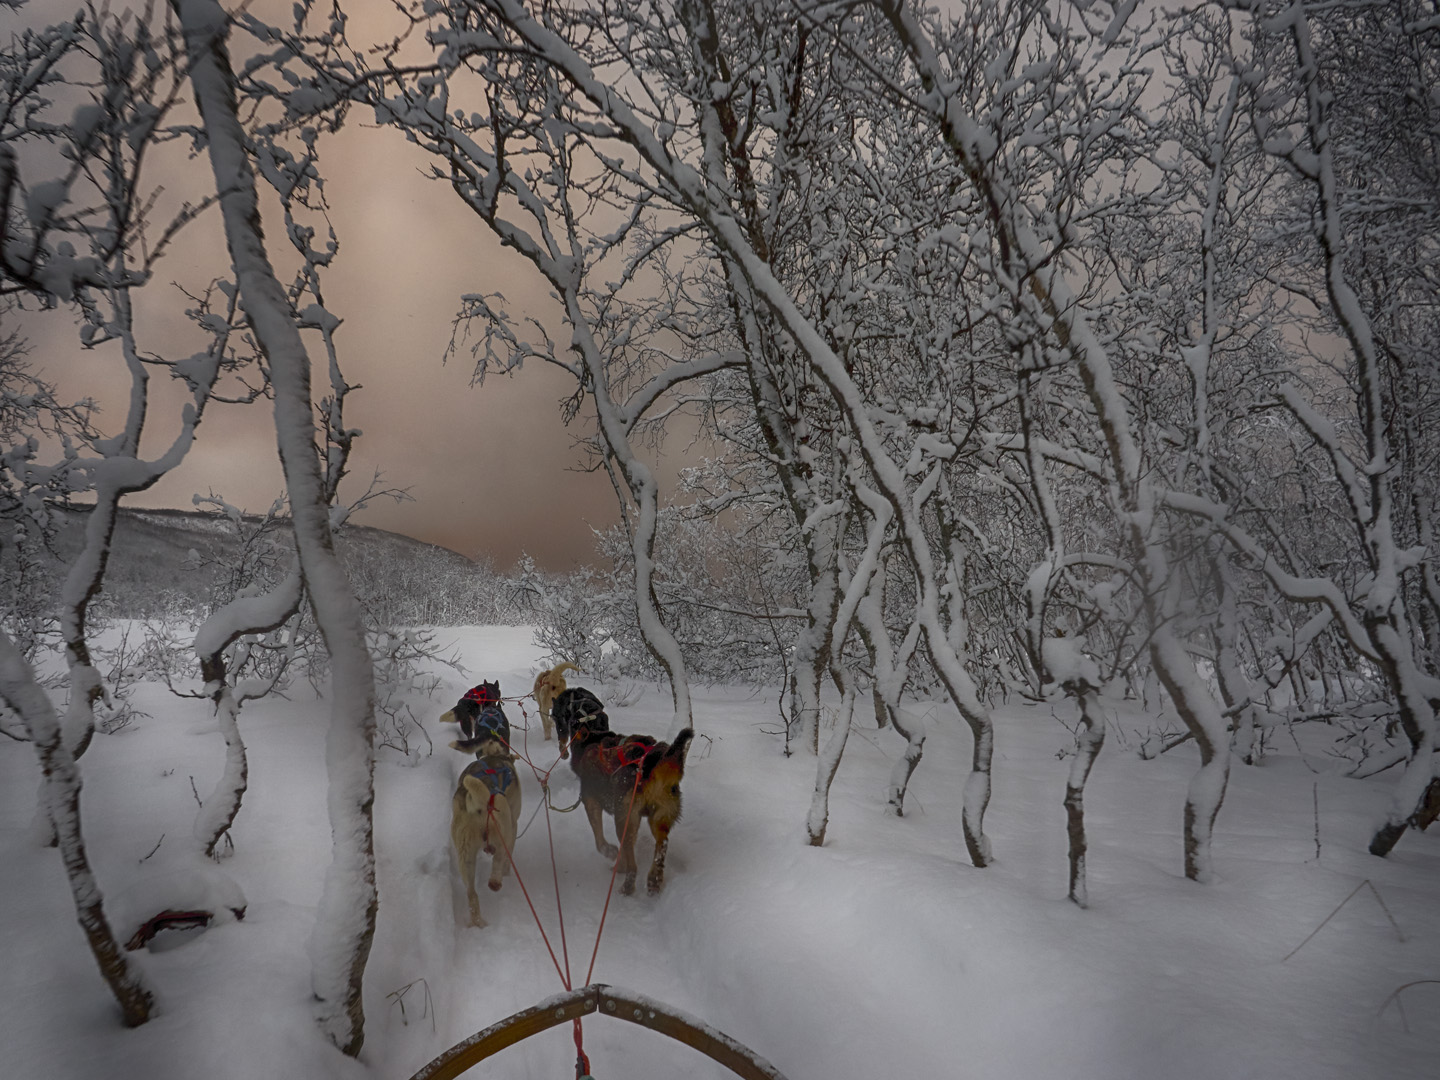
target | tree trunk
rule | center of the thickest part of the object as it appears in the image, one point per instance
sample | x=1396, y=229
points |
x=61, y=792
x=1087, y=749
x=217, y=812
x=913, y=729
x=640, y=479
x=1235, y=687
x=891, y=672
x=813, y=643
x=826, y=766
x=245, y=615
x=1417, y=719
x=1203, y=719
x=345, y=922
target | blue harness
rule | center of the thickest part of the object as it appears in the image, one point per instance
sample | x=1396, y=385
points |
x=492, y=724
x=489, y=723
x=496, y=775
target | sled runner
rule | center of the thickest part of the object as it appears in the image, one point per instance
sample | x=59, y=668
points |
x=602, y=1000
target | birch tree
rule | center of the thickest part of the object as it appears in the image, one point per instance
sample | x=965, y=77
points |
x=243, y=656
x=89, y=238
x=993, y=126
x=345, y=923
x=61, y=793
x=1303, y=123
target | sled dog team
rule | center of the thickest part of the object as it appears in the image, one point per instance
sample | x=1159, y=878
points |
x=629, y=777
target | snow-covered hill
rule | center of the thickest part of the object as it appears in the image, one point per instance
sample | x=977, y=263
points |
x=156, y=552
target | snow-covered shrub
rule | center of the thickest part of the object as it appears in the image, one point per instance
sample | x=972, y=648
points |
x=726, y=586
x=729, y=583
x=581, y=617
x=405, y=662
x=253, y=558
x=428, y=586
x=123, y=661
x=29, y=414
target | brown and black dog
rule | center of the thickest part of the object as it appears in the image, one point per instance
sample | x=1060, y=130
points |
x=548, y=686
x=630, y=777
x=483, y=817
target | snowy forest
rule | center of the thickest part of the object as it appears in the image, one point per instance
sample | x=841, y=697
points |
x=1051, y=371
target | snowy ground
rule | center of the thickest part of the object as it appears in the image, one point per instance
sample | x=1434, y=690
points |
x=882, y=955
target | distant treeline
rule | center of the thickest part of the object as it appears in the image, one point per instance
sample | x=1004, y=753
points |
x=166, y=562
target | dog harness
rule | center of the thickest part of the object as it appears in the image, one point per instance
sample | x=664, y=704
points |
x=494, y=774
x=491, y=723
x=611, y=759
x=484, y=694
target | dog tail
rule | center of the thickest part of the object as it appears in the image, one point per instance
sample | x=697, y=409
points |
x=477, y=794
x=670, y=760
x=556, y=672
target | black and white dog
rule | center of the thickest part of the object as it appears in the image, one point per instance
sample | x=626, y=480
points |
x=484, y=728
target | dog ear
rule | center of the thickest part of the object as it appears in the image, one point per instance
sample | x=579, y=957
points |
x=449, y=718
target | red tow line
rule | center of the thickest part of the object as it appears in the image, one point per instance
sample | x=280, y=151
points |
x=582, y=1061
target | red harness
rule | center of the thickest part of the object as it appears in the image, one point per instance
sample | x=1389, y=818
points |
x=611, y=759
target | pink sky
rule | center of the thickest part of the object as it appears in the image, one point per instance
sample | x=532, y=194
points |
x=491, y=469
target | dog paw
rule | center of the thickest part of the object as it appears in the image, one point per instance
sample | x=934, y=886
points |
x=495, y=886
x=653, y=886
x=627, y=887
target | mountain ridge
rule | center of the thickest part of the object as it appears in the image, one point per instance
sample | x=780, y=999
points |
x=163, y=558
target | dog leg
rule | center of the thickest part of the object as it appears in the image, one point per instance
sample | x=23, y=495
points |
x=500, y=826
x=627, y=853
x=597, y=824
x=656, y=881
x=463, y=833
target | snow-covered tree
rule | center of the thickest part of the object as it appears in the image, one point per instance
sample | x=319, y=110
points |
x=345, y=923
x=88, y=100
x=246, y=646
x=1327, y=78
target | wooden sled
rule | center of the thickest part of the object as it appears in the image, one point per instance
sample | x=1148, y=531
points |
x=601, y=1000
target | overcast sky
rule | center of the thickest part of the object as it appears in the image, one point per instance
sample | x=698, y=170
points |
x=491, y=469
